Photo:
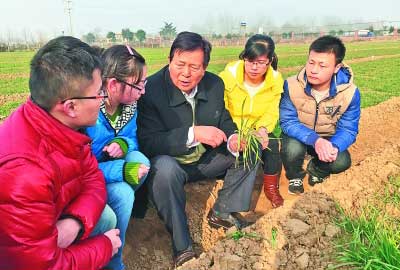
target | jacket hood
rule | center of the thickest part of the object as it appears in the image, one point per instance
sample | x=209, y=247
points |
x=342, y=80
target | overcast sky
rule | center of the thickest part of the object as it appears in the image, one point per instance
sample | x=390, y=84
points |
x=50, y=16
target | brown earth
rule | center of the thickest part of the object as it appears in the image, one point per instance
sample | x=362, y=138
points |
x=14, y=76
x=21, y=97
x=303, y=226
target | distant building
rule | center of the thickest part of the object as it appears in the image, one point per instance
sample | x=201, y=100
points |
x=365, y=33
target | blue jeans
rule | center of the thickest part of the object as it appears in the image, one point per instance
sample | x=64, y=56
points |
x=120, y=198
x=107, y=221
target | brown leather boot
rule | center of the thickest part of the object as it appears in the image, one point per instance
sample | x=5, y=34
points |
x=271, y=189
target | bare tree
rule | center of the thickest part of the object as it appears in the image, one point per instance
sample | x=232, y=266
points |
x=10, y=39
x=25, y=35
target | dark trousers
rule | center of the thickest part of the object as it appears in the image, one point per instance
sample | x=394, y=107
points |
x=293, y=153
x=166, y=189
x=271, y=156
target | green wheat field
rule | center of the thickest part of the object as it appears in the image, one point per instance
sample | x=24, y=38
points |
x=376, y=65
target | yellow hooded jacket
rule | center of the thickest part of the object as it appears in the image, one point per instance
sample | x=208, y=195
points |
x=263, y=107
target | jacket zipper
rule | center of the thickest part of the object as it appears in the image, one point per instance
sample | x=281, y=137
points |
x=251, y=104
x=115, y=131
x=316, y=113
x=194, y=111
x=317, y=109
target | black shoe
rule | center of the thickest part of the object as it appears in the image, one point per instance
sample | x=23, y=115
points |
x=184, y=256
x=233, y=219
x=296, y=186
x=313, y=180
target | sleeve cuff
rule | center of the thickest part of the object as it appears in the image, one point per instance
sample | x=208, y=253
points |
x=190, y=141
x=336, y=146
x=131, y=170
x=82, y=228
x=122, y=143
x=312, y=138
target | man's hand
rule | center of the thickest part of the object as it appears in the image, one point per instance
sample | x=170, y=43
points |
x=113, y=235
x=68, y=229
x=209, y=135
x=334, y=153
x=143, y=170
x=233, y=144
x=325, y=150
x=262, y=134
x=113, y=150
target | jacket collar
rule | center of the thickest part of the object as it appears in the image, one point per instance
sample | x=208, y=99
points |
x=63, y=137
x=176, y=96
x=127, y=113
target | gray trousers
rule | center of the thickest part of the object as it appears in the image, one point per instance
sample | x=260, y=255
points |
x=166, y=182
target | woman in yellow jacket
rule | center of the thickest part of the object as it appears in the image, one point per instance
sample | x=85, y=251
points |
x=255, y=78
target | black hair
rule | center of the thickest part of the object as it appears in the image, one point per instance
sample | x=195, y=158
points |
x=59, y=69
x=99, y=50
x=121, y=62
x=189, y=41
x=259, y=45
x=329, y=44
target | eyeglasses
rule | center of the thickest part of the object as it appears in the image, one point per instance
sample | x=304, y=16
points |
x=137, y=87
x=257, y=63
x=102, y=95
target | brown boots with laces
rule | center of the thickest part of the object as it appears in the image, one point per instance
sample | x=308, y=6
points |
x=271, y=189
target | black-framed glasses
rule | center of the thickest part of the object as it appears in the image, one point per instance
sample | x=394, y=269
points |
x=137, y=87
x=257, y=63
x=101, y=95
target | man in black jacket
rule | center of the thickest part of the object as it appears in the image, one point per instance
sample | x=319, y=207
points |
x=184, y=128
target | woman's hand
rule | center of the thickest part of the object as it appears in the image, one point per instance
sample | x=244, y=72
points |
x=262, y=134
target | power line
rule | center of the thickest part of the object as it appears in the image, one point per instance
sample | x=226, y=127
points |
x=68, y=10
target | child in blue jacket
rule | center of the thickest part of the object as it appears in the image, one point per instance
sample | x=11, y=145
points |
x=114, y=135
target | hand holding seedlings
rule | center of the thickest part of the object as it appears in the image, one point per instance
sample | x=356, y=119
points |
x=262, y=134
x=233, y=144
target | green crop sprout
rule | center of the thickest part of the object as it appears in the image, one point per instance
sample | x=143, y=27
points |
x=237, y=235
x=274, y=235
x=247, y=134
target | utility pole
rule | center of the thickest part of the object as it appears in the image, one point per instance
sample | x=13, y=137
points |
x=68, y=10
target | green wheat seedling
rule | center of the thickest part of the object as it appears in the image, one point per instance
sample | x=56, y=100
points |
x=246, y=134
x=392, y=192
x=237, y=235
x=370, y=241
x=369, y=244
x=251, y=153
x=274, y=236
